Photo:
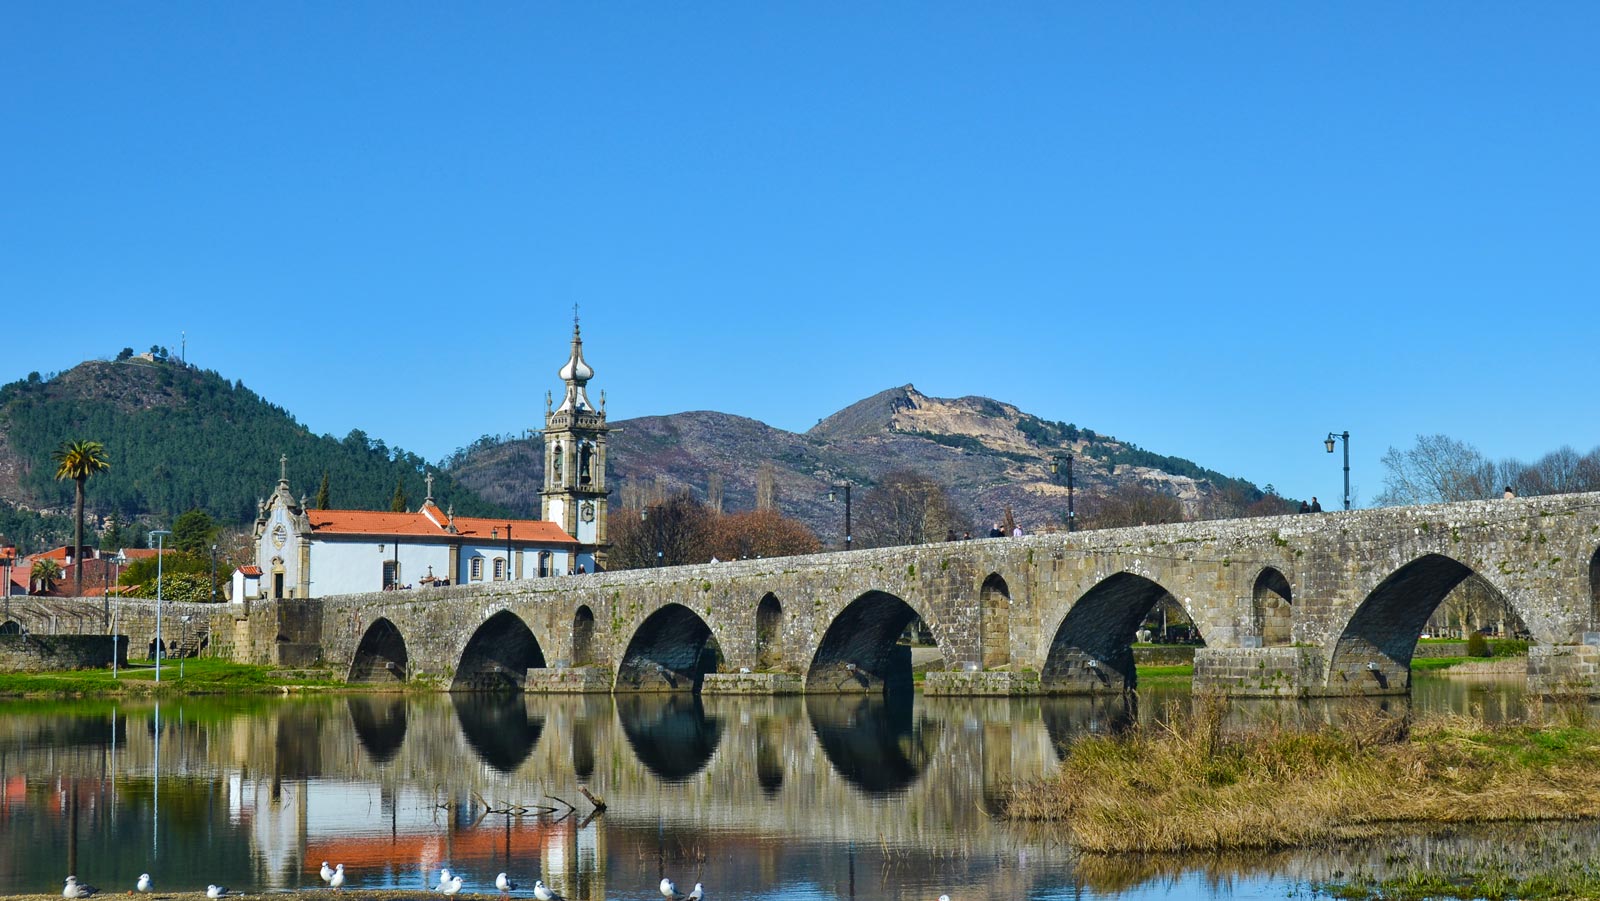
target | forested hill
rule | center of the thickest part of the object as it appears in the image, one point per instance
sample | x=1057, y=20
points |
x=180, y=438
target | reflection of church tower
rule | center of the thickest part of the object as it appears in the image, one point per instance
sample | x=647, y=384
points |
x=574, y=495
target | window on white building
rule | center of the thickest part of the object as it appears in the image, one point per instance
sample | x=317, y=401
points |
x=475, y=569
x=499, y=569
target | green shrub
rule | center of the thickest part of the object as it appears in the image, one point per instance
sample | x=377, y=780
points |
x=1477, y=645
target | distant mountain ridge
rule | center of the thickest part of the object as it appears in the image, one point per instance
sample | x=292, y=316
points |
x=990, y=454
x=180, y=437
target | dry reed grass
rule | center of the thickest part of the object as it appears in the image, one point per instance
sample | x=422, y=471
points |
x=1190, y=783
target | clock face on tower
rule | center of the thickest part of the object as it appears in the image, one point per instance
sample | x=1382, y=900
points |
x=586, y=511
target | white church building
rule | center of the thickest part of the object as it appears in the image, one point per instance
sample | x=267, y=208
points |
x=303, y=553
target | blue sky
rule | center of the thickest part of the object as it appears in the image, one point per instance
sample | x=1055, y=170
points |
x=1217, y=230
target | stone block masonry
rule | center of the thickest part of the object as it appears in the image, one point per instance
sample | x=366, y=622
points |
x=38, y=653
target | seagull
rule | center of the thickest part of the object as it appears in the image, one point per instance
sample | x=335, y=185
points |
x=544, y=892
x=76, y=889
x=944, y=898
x=216, y=891
x=700, y=892
x=505, y=885
x=327, y=871
x=453, y=887
x=444, y=880
x=143, y=885
x=669, y=889
x=337, y=879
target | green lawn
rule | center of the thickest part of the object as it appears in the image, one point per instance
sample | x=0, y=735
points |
x=197, y=676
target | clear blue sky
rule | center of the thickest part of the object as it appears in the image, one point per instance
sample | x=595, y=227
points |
x=1217, y=230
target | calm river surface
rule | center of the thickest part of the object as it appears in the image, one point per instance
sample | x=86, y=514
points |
x=756, y=797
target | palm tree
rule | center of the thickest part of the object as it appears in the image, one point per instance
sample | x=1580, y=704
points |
x=43, y=575
x=78, y=460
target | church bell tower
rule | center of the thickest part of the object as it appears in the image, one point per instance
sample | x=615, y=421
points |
x=574, y=494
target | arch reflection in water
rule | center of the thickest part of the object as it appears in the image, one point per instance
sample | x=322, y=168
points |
x=498, y=728
x=1067, y=719
x=875, y=743
x=670, y=734
x=380, y=724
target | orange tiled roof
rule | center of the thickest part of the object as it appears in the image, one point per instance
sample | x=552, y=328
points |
x=250, y=570
x=375, y=522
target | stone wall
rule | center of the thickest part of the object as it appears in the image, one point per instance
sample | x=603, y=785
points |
x=1258, y=672
x=37, y=653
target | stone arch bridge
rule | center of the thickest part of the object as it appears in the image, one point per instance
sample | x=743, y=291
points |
x=1304, y=605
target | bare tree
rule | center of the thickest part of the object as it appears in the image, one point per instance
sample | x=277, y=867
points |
x=1439, y=469
x=1129, y=504
x=907, y=507
x=760, y=533
x=766, y=493
x=672, y=533
x=714, y=492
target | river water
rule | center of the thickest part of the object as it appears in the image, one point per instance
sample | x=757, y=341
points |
x=756, y=797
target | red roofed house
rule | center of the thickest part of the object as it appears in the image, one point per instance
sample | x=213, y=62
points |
x=303, y=553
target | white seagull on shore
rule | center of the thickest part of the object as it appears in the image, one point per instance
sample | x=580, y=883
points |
x=544, y=892
x=326, y=871
x=444, y=879
x=143, y=885
x=698, y=893
x=337, y=879
x=76, y=889
x=216, y=891
x=453, y=886
x=506, y=886
x=669, y=889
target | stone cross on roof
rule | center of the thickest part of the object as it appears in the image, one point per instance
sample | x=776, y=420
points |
x=428, y=477
x=283, y=468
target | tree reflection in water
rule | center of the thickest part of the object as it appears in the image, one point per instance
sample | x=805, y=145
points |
x=670, y=733
x=498, y=727
x=874, y=742
x=380, y=724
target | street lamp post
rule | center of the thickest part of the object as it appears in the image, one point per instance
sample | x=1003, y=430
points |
x=213, y=573
x=1345, y=437
x=508, y=552
x=1072, y=514
x=160, y=535
x=847, y=536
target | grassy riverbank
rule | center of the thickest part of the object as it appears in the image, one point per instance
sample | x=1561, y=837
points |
x=198, y=676
x=1189, y=783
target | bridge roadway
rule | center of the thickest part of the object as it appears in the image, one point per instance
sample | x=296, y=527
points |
x=1304, y=605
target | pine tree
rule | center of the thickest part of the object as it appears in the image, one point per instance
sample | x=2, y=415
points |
x=400, y=503
x=322, y=492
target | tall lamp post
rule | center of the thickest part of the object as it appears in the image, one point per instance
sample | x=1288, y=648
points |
x=508, y=552
x=213, y=573
x=160, y=535
x=1072, y=514
x=1345, y=437
x=831, y=497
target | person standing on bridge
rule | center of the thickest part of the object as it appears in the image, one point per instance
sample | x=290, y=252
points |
x=1509, y=493
x=1316, y=505
x=1304, y=508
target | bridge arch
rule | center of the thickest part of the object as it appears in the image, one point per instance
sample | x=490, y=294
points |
x=1271, y=601
x=10, y=627
x=994, y=615
x=1374, y=650
x=1594, y=592
x=381, y=656
x=582, y=636
x=769, y=632
x=672, y=650
x=1092, y=650
x=860, y=651
x=498, y=656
